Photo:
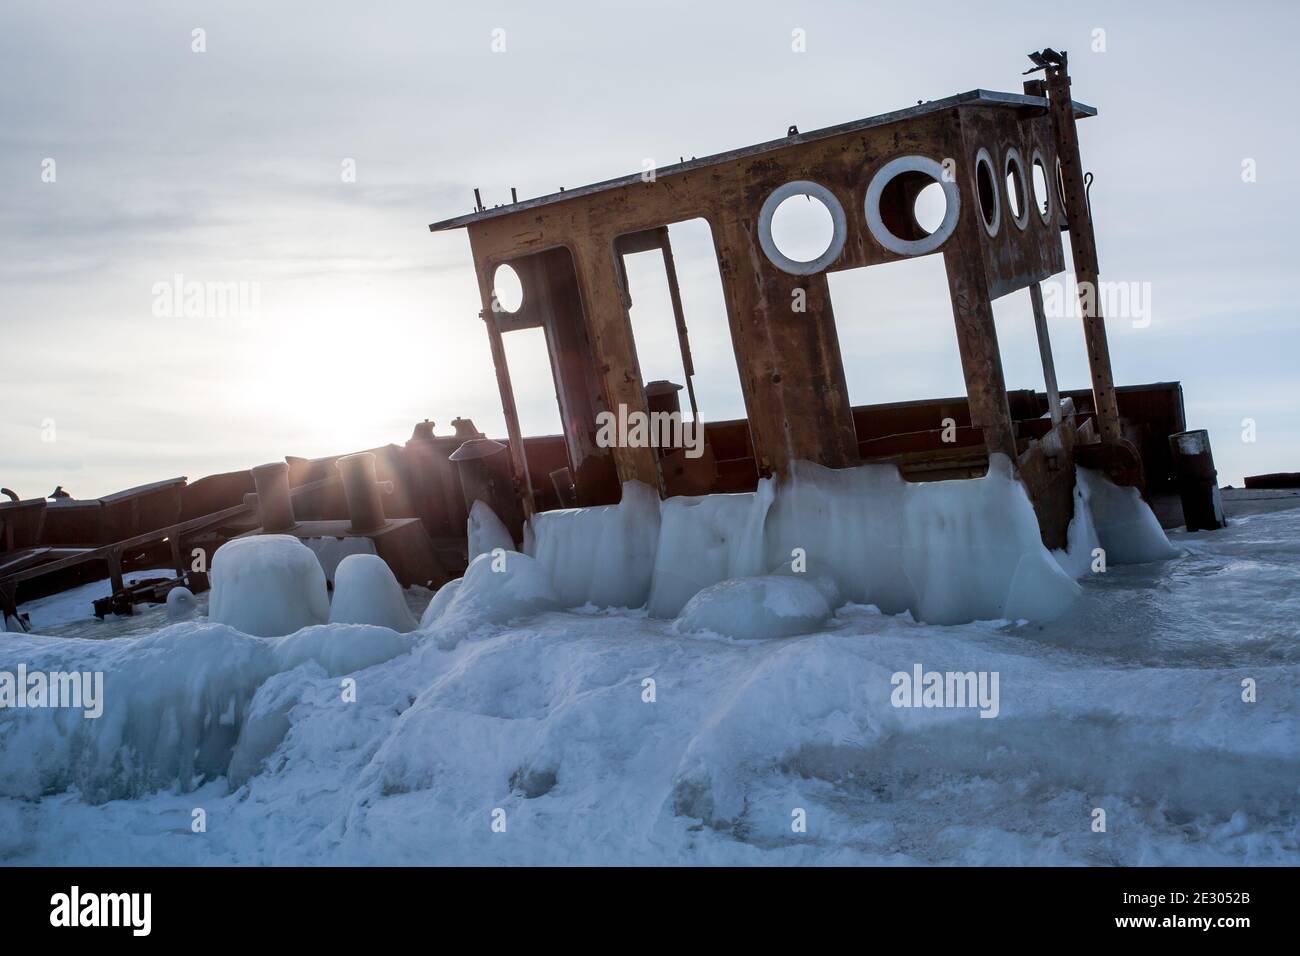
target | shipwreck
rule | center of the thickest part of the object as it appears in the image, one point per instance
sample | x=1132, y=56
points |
x=1013, y=182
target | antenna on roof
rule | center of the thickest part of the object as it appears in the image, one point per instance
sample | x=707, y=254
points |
x=478, y=201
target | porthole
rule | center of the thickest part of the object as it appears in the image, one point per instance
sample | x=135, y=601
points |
x=1042, y=190
x=895, y=197
x=507, y=290
x=803, y=232
x=986, y=189
x=1017, y=189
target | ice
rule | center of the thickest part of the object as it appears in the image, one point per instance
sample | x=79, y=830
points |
x=173, y=702
x=366, y=592
x=495, y=588
x=438, y=603
x=1126, y=526
x=486, y=531
x=338, y=648
x=756, y=608
x=181, y=604
x=704, y=540
x=603, y=556
x=1132, y=702
x=330, y=552
x=614, y=737
x=267, y=585
x=947, y=551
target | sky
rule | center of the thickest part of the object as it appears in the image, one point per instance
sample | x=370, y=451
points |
x=299, y=151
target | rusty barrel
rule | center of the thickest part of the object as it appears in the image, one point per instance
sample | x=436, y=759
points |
x=361, y=489
x=274, y=504
x=1197, y=480
x=485, y=475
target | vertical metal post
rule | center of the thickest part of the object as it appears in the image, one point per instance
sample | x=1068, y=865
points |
x=1083, y=246
x=1045, y=353
x=510, y=411
x=683, y=341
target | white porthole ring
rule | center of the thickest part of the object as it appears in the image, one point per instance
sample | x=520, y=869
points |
x=1013, y=156
x=982, y=158
x=839, y=227
x=1048, y=208
x=876, y=224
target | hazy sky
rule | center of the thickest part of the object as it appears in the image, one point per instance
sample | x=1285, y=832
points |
x=228, y=166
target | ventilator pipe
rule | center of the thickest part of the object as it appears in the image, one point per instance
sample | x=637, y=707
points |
x=274, y=505
x=1197, y=478
x=362, y=491
x=484, y=471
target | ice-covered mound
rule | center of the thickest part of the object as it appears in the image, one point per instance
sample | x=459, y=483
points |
x=366, y=592
x=603, y=556
x=486, y=532
x=173, y=705
x=495, y=588
x=755, y=608
x=267, y=585
x=338, y=648
x=438, y=603
x=181, y=604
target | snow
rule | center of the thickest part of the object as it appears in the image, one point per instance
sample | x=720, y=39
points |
x=267, y=585
x=366, y=592
x=486, y=532
x=615, y=737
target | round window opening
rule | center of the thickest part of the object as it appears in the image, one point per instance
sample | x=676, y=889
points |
x=1042, y=192
x=986, y=187
x=507, y=290
x=1017, y=188
x=802, y=228
x=912, y=205
x=930, y=207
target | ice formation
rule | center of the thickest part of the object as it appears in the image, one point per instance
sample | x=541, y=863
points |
x=331, y=552
x=495, y=588
x=267, y=585
x=946, y=551
x=604, y=555
x=181, y=604
x=486, y=532
x=1125, y=525
x=366, y=592
x=757, y=608
x=1133, y=702
x=720, y=536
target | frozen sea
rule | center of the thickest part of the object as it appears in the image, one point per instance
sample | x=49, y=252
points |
x=607, y=737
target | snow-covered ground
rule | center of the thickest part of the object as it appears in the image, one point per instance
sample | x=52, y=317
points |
x=538, y=739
